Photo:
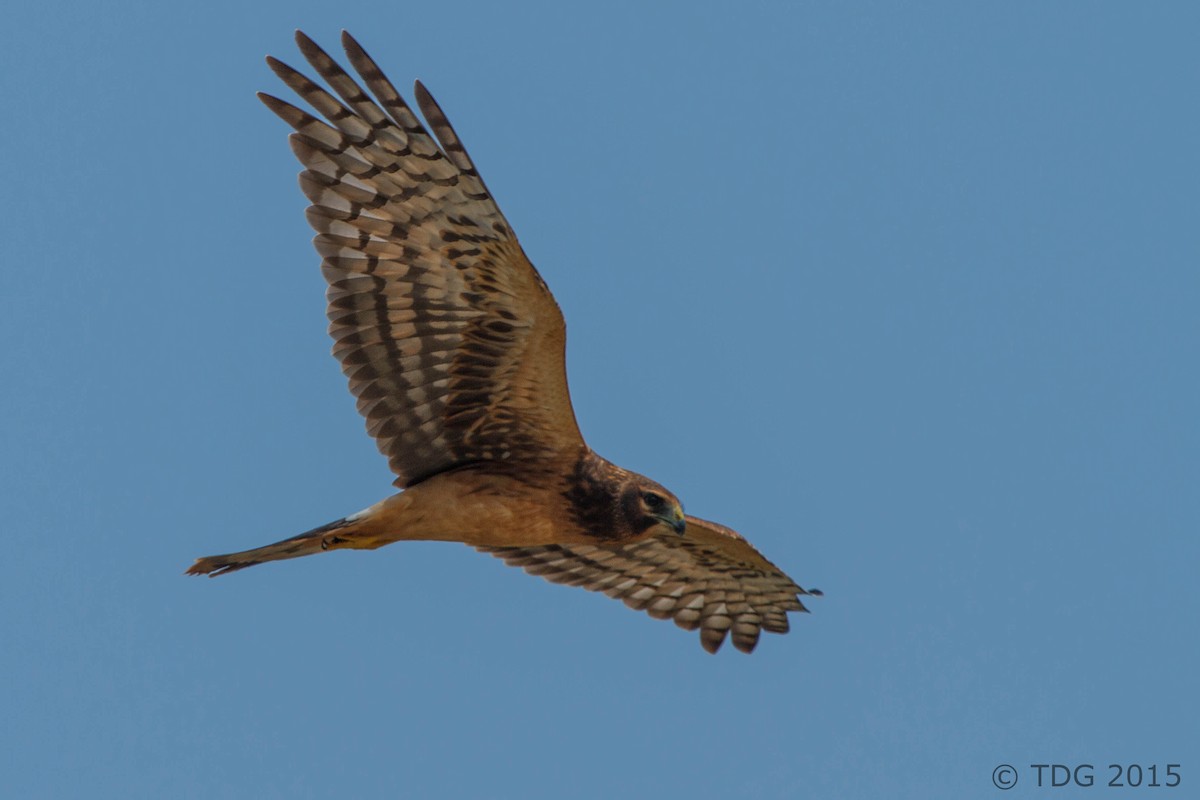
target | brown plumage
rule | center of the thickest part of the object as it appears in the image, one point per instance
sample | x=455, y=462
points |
x=454, y=348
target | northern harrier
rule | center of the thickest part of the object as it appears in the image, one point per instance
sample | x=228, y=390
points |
x=454, y=347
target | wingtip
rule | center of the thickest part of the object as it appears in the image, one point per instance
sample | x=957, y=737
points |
x=277, y=66
x=271, y=101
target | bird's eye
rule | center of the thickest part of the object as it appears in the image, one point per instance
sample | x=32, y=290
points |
x=652, y=500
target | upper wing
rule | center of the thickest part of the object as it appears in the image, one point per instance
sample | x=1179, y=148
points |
x=709, y=578
x=452, y=342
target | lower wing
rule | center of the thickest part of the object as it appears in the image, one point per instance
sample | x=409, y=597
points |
x=709, y=578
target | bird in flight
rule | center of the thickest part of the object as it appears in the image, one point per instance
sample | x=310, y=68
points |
x=454, y=348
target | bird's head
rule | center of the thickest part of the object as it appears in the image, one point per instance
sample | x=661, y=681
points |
x=648, y=505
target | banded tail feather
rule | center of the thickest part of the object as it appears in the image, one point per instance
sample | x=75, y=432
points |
x=332, y=536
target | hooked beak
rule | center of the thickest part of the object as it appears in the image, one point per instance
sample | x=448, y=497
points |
x=677, y=521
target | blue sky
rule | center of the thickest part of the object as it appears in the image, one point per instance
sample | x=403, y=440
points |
x=907, y=293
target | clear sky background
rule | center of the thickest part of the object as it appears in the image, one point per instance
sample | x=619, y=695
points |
x=907, y=293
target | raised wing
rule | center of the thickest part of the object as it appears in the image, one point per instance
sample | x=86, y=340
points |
x=709, y=578
x=451, y=341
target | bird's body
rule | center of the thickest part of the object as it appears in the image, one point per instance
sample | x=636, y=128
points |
x=573, y=502
x=454, y=348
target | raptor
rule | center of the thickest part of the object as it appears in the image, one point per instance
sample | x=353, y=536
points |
x=454, y=348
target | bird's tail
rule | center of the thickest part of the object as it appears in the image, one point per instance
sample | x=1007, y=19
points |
x=327, y=537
